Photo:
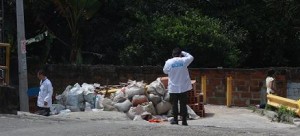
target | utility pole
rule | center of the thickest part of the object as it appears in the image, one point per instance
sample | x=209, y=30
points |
x=23, y=83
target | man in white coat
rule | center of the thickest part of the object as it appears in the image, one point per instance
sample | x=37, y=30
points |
x=179, y=82
x=44, y=101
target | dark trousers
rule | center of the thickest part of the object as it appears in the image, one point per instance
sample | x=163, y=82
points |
x=182, y=98
x=43, y=111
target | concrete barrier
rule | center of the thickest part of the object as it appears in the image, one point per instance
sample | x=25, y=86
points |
x=278, y=101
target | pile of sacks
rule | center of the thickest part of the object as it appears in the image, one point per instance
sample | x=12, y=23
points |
x=140, y=101
x=137, y=100
x=77, y=98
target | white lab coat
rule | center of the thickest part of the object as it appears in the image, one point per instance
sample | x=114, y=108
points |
x=45, y=94
x=179, y=80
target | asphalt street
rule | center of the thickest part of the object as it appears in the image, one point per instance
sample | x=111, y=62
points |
x=219, y=121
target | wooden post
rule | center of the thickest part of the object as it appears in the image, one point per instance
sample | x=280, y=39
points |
x=229, y=91
x=203, y=88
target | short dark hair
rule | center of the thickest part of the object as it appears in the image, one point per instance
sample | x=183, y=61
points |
x=42, y=72
x=176, y=52
x=271, y=72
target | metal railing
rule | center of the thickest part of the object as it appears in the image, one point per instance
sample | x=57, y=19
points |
x=278, y=101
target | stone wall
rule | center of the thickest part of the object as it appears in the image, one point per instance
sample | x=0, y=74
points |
x=248, y=84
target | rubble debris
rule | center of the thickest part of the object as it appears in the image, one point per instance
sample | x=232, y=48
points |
x=138, y=100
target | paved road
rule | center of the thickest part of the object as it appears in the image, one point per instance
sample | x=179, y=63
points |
x=220, y=121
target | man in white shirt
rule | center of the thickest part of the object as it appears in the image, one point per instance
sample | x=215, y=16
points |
x=44, y=101
x=179, y=82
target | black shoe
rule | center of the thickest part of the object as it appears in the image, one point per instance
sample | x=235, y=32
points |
x=173, y=122
x=184, y=123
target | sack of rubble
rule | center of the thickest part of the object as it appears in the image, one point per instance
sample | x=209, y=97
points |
x=140, y=112
x=191, y=113
x=124, y=106
x=88, y=88
x=167, y=97
x=134, y=88
x=133, y=111
x=120, y=96
x=91, y=99
x=155, y=99
x=99, y=101
x=144, y=116
x=156, y=87
x=163, y=107
x=62, y=98
x=108, y=105
x=139, y=99
x=149, y=107
x=56, y=108
x=76, y=108
x=89, y=94
x=75, y=99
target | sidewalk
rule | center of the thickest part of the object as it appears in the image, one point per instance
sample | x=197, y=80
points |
x=236, y=117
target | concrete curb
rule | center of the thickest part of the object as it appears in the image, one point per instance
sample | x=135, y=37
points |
x=274, y=117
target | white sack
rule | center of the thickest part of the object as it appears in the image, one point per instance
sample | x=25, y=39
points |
x=124, y=106
x=163, y=107
x=155, y=99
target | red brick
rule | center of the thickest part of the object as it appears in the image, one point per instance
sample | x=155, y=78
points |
x=246, y=95
x=209, y=94
x=242, y=88
x=217, y=101
x=239, y=102
x=239, y=82
x=193, y=100
x=254, y=83
x=256, y=95
x=255, y=89
x=220, y=94
x=242, y=75
x=194, y=72
x=201, y=113
x=280, y=77
x=258, y=75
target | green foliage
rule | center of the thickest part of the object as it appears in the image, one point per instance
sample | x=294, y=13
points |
x=272, y=34
x=283, y=110
x=284, y=114
x=232, y=33
x=269, y=107
x=211, y=40
x=74, y=12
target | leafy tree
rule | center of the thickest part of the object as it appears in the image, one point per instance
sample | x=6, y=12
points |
x=208, y=39
x=75, y=11
x=272, y=38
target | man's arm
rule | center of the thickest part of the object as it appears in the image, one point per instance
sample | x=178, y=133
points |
x=166, y=68
x=188, y=58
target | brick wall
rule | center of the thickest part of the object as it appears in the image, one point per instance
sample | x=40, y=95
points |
x=248, y=84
